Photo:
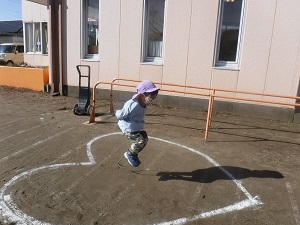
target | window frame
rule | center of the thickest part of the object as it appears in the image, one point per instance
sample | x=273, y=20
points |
x=84, y=32
x=148, y=59
x=30, y=38
x=20, y=48
x=45, y=39
x=221, y=64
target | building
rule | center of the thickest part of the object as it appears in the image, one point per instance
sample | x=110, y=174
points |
x=11, y=31
x=247, y=45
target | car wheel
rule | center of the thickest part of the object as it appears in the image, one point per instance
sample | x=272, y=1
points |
x=9, y=63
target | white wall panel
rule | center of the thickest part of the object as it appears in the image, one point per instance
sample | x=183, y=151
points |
x=109, y=39
x=176, y=41
x=150, y=72
x=130, y=38
x=73, y=37
x=281, y=77
x=33, y=12
x=201, y=43
x=256, y=45
x=225, y=79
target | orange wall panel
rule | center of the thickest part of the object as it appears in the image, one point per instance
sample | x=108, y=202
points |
x=31, y=78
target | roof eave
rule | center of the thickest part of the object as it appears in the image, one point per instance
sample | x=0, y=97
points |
x=41, y=2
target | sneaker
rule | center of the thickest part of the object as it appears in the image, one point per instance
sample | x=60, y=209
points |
x=132, y=159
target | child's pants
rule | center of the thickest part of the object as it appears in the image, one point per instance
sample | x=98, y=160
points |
x=138, y=141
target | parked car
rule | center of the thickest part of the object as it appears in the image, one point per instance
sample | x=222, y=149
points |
x=11, y=53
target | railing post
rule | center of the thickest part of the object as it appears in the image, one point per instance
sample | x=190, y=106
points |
x=92, y=116
x=211, y=106
x=208, y=117
x=111, y=105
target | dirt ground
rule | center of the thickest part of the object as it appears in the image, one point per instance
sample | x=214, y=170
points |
x=56, y=170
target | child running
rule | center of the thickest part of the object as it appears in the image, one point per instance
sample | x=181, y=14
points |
x=131, y=119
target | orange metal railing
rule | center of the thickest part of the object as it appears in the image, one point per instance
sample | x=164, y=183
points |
x=214, y=95
x=211, y=95
x=92, y=114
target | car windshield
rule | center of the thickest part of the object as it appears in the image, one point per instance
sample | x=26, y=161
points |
x=6, y=48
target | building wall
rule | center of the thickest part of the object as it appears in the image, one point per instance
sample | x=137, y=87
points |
x=284, y=49
x=33, y=12
x=73, y=56
x=270, y=54
x=269, y=51
x=271, y=48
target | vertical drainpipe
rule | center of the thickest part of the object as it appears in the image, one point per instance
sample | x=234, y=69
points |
x=55, y=46
x=61, y=41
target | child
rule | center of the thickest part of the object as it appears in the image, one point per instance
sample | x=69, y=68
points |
x=131, y=119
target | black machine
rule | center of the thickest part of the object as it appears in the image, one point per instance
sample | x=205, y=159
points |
x=83, y=106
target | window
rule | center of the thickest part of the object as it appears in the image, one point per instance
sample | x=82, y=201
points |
x=6, y=49
x=90, y=28
x=36, y=38
x=230, y=33
x=29, y=37
x=20, y=49
x=154, y=13
x=45, y=38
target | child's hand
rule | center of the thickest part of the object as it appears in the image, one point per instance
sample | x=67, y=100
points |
x=117, y=119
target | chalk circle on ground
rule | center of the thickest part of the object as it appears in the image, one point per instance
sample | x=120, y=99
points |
x=11, y=213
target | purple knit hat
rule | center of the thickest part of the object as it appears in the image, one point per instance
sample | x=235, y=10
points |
x=145, y=86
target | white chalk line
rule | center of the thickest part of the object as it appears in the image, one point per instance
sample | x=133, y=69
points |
x=237, y=182
x=103, y=161
x=250, y=202
x=69, y=152
x=293, y=203
x=195, y=197
x=231, y=208
x=23, y=131
x=234, y=219
x=14, y=121
x=34, y=145
x=43, y=114
x=12, y=213
x=20, y=132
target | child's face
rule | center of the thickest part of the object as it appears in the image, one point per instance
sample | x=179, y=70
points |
x=150, y=98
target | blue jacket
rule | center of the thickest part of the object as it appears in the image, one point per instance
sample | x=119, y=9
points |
x=131, y=116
